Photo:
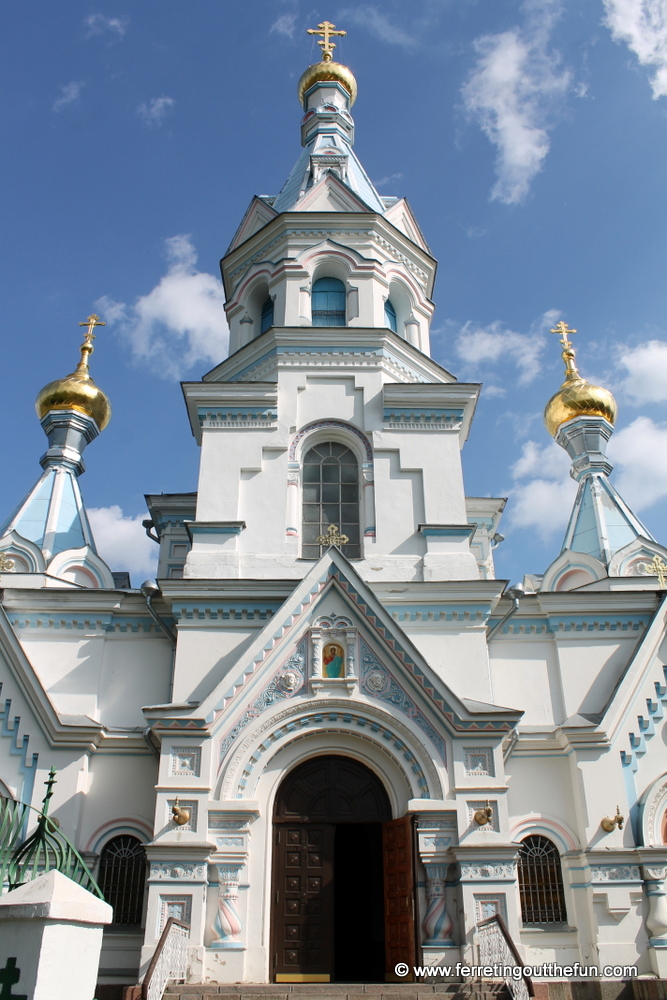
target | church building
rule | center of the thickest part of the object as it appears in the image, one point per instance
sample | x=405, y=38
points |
x=327, y=738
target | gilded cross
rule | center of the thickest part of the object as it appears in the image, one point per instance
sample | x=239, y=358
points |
x=658, y=567
x=332, y=537
x=92, y=321
x=326, y=28
x=6, y=565
x=563, y=329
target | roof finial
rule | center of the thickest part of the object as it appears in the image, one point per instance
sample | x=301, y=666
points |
x=326, y=28
x=563, y=329
x=87, y=346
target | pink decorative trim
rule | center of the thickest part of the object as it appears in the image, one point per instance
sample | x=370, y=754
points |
x=337, y=424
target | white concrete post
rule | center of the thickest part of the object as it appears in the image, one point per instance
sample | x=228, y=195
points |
x=51, y=938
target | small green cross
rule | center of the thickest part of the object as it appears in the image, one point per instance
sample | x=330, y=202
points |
x=9, y=976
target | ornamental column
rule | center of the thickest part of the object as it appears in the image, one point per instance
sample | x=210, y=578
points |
x=656, y=922
x=228, y=925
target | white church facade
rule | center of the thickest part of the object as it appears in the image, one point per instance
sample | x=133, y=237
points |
x=327, y=738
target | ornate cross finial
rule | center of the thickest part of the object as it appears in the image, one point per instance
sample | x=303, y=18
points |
x=6, y=565
x=88, y=338
x=332, y=537
x=326, y=28
x=658, y=567
x=563, y=329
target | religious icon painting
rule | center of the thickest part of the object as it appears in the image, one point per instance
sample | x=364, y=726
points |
x=333, y=660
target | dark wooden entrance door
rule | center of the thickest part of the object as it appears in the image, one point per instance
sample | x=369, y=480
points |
x=328, y=817
x=399, y=894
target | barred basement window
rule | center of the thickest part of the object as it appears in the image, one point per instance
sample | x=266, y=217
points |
x=541, y=882
x=122, y=878
x=330, y=496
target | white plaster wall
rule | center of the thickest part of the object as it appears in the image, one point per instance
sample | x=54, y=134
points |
x=459, y=658
x=204, y=655
x=119, y=796
x=524, y=674
x=590, y=669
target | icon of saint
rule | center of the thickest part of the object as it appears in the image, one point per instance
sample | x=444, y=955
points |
x=333, y=659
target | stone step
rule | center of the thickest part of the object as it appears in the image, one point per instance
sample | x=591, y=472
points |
x=447, y=990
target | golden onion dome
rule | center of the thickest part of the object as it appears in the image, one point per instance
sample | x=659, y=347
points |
x=576, y=397
x=328, y=71
x=77, y=391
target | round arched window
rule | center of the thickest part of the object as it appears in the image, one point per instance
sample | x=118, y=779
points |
x=328, y=302
x=541, y=882
x=330, y=496
x=122, y=878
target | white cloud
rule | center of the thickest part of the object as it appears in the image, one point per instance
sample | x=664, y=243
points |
x=123, y=543
x=490, y=345
x=389, y=179
x=543, y=501
x=155, y=112
x=639, y=452
x=69, y=94
x=98, y=24
x=284, y=25
x=514, y=92
x=642, y=25
x=379, y=25
x=646, y=367
x=179, y=323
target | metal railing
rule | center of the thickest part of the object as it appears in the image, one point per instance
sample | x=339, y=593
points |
x=496, y=948
x=46, y=849
x=169, y=960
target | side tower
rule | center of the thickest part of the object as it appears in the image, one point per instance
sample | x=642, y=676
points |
x=330, y=415
x=49, y=532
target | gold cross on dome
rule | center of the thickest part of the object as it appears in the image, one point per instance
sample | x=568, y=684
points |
x=563, y=329
x=332, y=537
x=326, y=28
x=92, y=321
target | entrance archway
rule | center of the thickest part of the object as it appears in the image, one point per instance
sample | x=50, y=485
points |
x=328, y=895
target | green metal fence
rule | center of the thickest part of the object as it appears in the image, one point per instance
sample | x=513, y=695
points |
x=46, y=849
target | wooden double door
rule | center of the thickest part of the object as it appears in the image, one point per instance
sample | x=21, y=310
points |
x=343, y=877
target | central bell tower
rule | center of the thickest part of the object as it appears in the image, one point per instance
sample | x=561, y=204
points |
x=329, y=412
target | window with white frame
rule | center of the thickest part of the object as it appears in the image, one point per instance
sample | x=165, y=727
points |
x=330, y=497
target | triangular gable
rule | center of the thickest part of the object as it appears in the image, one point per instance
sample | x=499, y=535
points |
x=282, y=636
x=330, y=194
x=257, y=215
x=400, y=215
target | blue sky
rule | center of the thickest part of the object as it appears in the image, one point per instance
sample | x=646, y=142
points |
x=530, y=139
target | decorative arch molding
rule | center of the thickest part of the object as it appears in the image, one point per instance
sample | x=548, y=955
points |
x=122, y=825
x=331, y=430
x=633, y=558
x=653, y=806
x=584, y=569
x=356, y=727
x=344, y=260
x=79, y=566
x=546, y=826
x=27, y=556
x=297, y=444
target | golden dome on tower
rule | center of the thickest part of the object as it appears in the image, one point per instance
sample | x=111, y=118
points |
x=77, y=391
x=576, y=397
x=327, y=70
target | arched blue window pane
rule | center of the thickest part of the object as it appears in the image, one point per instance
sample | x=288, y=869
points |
x=390, y=316
x=328, y=302
x=267, y=315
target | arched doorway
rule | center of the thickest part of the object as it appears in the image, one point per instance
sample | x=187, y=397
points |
x=328, y=875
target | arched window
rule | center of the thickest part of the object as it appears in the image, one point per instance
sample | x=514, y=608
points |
x=541, y=882
x=390, y=316
x=122, y=878
x=664, y=827
x=267, y=316
x=328, y=302
x=330, y=496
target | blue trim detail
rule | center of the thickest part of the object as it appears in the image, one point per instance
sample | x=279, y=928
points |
x=225, y=610
x=19, y=748
x=222, y=528
x=237, y=414
x=427, y=415
x=446, y=531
